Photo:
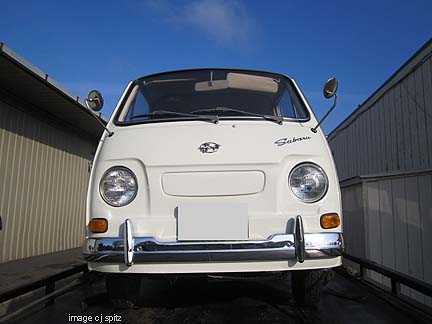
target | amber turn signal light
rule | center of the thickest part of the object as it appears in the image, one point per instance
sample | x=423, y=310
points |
x=331, y=220
x=98, y=225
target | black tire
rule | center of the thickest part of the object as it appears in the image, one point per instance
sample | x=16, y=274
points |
x=307, y=286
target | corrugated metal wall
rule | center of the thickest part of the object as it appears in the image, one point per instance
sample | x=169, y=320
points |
x=43, y=183
x=398, y=226
x=396, y=215
x=383, y=153
x=393, y=133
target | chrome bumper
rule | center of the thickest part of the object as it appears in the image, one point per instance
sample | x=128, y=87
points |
x=129, y=249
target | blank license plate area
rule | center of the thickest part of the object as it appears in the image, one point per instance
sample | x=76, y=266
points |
x=212, y=222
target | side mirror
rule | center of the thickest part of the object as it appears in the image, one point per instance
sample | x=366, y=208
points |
x=329, y=90
x=94, y=100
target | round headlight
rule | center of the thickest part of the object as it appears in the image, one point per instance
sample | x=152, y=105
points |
x=118, y=186
x=308, y=182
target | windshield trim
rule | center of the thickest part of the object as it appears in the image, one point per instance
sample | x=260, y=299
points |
x=116, y=121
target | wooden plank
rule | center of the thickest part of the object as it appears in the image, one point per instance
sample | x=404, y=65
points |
x=393, y=136
x=425, y=194
x=400, y=127
x=374, y=227
x=406, y=126
x=414, y=233
x=348, y=140
x=371, y=144
x=364, y=151
x=348, y=222
x=381, y=149
x=387, y=124
x=413, y=123
x=345, y=153
x=366, y=218
x=352, y=201
x=400, y=229
x=392, y=141
x=360, y=216
x=358, y=147
x=336, y=158
x=353, y=156
x=343, y=140
x=340, y=155
x=368, y=140
x=426, y=70
x=387, y=226
x=421, y=119
x=351, y=152
x=375, y=141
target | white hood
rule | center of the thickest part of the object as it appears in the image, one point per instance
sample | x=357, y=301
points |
x=174, y=144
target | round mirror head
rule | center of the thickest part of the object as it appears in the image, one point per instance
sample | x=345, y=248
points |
x=330, y=87
x=94, y=100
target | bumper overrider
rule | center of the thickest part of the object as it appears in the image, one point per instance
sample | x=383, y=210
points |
x=129, y=249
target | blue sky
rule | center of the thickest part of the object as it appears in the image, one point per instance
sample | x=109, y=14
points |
x=104, y=44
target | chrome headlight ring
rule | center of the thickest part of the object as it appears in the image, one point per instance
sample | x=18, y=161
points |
x=308, y=182
x=118, y=186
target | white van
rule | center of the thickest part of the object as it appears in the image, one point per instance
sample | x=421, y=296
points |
x=213, y=171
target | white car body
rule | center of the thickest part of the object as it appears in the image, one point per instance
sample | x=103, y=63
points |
x=250, y=167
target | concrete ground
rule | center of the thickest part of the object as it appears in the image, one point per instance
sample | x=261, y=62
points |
x=24, y=271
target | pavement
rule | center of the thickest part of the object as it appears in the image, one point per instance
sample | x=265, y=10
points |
x=21, y=272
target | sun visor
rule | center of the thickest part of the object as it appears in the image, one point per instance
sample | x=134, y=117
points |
x=240, y=81
x=252, y=82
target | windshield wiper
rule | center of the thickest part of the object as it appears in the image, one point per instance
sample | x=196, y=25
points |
x=277, y=119
x=213, y=119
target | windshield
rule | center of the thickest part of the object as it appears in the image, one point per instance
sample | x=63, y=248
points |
x=226, y=94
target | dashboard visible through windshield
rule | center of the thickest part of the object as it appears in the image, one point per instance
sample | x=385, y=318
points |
x=211, y=94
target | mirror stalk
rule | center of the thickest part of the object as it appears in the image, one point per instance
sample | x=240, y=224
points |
x=97, y=118
x=314, y=130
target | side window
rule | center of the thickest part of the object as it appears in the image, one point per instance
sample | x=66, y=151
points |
x=286, y=106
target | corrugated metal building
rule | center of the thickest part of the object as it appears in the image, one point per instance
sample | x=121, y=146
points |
x=383, y=153
x=47, y=140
